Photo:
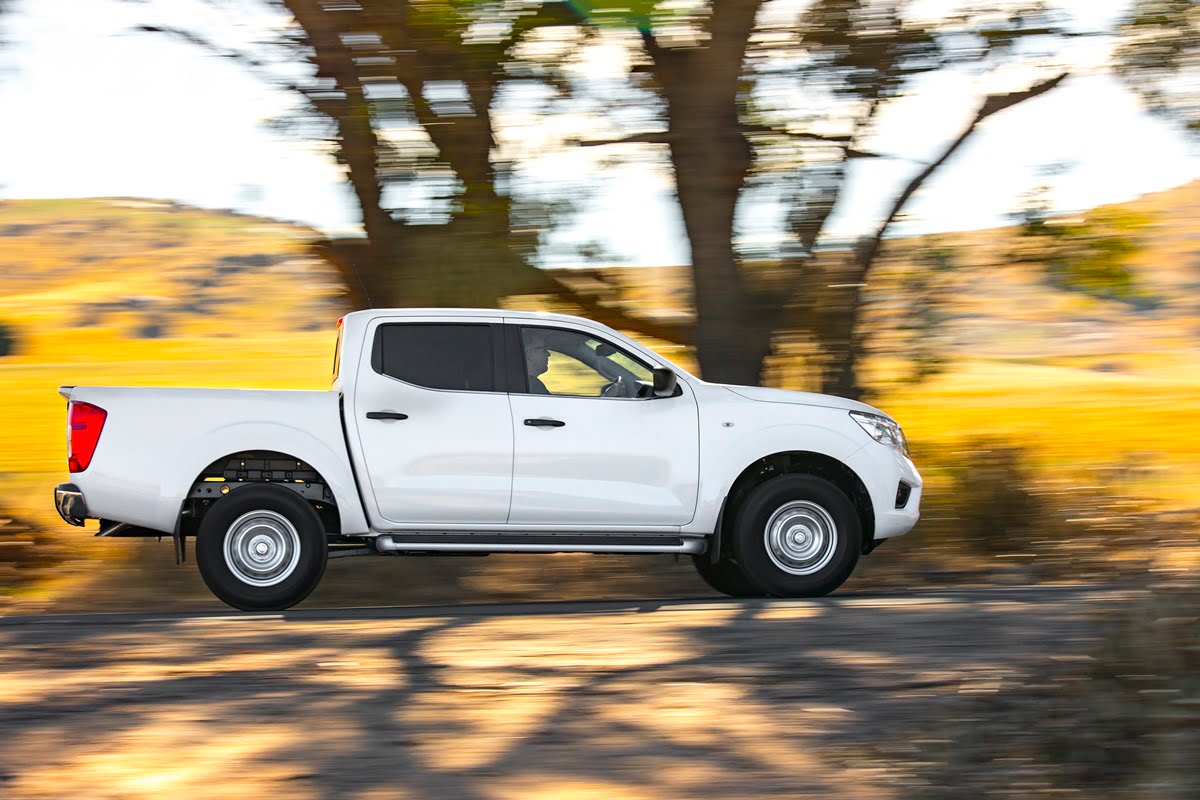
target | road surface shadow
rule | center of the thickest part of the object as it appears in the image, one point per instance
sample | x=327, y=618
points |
x=694, y=698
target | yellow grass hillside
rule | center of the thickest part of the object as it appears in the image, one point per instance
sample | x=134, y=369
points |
x=134, y=292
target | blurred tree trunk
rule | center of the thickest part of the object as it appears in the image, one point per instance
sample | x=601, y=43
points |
x=858, y=54
x=475, y=258
x=470, y=260
x=711, y=159
x=850, y=55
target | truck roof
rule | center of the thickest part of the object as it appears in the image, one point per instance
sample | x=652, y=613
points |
x=372, y=313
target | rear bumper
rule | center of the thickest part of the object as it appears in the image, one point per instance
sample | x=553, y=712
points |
x=68, y=501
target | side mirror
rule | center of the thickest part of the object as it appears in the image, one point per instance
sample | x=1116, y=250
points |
x=664, y=382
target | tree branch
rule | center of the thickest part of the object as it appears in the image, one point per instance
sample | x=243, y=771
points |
x=841, y=142
x=653, y=48
x=992, y=105
x=616, y=317
x=359, y=143
x=654, y=137
x=845, y=335
x=808, y=228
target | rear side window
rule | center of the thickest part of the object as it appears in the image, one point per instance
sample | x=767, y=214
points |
x=437, y=356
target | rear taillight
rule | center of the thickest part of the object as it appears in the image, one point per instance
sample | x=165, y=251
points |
x=84, y=423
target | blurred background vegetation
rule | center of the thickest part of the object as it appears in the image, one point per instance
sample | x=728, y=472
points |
x=1046, y=371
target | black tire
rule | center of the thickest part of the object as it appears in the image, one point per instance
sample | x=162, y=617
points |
x=725, y=577
x=301, y=559
x=820, y=513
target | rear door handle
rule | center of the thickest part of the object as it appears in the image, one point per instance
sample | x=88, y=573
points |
x=544, y=423
x=386, y=415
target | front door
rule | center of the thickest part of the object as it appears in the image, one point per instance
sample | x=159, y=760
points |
x=436, y=435
x=593, y=446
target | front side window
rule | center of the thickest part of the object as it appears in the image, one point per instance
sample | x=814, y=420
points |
x=437, y=356
x=566, y=362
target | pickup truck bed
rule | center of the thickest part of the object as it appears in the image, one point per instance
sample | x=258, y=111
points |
x=152, y=452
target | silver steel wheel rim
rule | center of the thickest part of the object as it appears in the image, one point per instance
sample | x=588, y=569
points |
x=801, y=537
x=262, y=548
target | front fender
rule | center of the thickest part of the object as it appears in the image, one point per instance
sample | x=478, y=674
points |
x=725, y=453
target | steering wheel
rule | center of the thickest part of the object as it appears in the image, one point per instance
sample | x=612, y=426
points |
x=617, y=388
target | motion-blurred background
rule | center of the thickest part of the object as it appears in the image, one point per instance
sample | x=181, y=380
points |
x=982, y=217
x=979, y=216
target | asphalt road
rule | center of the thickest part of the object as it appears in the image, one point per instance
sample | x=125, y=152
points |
x=692, y=698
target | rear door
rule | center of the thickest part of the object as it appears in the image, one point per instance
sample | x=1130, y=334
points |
x=593, y=446
x=433, y=421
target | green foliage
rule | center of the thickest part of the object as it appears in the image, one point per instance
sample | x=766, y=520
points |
x=26, y=552
x=866, y=51
x=1091, y=254
x=405, y=94
x=927, y=312
x=638, y=13
x=991, y=504
x=8, y=340
x=911, y=313
x=1159, y=57
x=997, y=511
x=1123, y=722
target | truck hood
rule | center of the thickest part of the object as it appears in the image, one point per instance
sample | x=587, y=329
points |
x=762, y=395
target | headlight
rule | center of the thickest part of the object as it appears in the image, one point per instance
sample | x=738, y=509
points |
x=882, y=430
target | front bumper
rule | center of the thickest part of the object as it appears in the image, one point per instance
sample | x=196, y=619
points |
x=68, y=501
x=881, y=469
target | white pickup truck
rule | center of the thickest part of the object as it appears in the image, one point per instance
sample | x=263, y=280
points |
x=452, y=431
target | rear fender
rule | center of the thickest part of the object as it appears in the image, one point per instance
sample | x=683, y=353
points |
x=333, y=465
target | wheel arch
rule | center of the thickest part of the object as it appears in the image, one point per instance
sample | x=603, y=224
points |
x=796, y=462
x=259, y=467
x=329, y=460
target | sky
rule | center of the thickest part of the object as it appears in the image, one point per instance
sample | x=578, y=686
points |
x=91, y=107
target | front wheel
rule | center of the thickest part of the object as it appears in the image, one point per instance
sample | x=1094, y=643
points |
x=725, y=576
x=797, y=536
x=261, y=548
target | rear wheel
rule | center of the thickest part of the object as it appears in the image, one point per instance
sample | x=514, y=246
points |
x=797, y=536
x=261, y=548
x=726, y=577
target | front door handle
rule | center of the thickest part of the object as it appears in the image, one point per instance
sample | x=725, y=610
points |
x=386, y=415
x=544, y=423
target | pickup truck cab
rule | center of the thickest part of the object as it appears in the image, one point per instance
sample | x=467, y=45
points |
x=451, y=431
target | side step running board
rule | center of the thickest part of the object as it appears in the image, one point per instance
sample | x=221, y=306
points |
x=538, y=543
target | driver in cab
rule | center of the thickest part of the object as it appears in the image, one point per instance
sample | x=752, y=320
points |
x=537, y=359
